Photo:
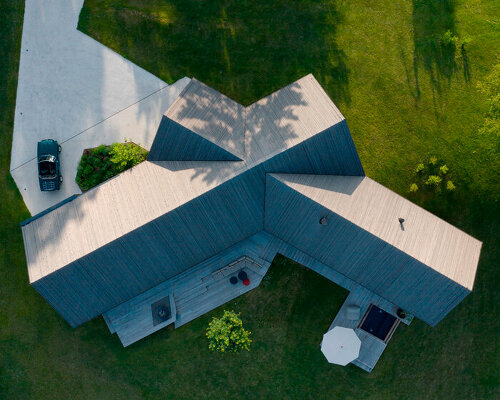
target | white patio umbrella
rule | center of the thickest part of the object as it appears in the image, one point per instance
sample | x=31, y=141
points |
x=340, y=345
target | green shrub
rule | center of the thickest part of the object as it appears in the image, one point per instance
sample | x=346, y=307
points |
x=413, y=187
x=433, y=161
x=98, y=164
x=127, y=154
x=227, y=333
x=433, y=180
x=420, y=168
x=450, y=186
x=443, y=169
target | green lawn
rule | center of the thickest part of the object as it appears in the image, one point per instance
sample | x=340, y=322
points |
x=405, y=99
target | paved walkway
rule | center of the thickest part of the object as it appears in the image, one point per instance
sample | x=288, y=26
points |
x=77, y=91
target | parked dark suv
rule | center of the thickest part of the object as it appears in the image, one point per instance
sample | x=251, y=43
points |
x=49, y=170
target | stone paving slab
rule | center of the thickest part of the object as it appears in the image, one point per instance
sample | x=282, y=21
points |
x=138, y=123
x=77, y=91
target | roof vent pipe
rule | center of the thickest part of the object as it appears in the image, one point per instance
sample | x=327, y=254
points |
x=323, y=221
x=401, y=220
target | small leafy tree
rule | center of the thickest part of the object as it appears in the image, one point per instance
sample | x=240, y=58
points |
x=227, y=333
x=413, y=187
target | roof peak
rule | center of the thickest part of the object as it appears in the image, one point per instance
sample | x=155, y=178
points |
x=271, y=125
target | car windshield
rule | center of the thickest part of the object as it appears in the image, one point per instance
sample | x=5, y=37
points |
x=47, y=167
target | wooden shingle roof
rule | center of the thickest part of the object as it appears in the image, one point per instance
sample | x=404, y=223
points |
x=211, y=115
x=118, y=206
x=376, y=209
x=287, y=117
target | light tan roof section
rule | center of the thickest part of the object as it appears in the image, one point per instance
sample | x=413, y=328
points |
x=211, y=115
x=287, y=117
x=377, y=210
x=115, y=208
x=151, y=189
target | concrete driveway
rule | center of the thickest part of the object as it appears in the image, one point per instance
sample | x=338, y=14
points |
x=77, y=91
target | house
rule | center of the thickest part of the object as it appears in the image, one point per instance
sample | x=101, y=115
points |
x=225, y=188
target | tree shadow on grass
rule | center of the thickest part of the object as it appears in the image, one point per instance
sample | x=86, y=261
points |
x=466, y=64
x=431, y=20
x=245, y=49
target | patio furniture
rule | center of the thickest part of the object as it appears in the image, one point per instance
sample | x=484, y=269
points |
x=233, y=280
x=340, y=345
x=246, y=282
x=353, y=312
x=242, y=275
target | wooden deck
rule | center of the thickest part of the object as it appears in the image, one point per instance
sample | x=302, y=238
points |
x=206, y=287
x=371, y=346
x=192, y=294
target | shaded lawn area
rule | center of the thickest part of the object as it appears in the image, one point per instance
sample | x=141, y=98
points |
x=404, y=99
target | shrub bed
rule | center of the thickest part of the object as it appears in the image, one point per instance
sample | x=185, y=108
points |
x=432, y=176
x=102, y=163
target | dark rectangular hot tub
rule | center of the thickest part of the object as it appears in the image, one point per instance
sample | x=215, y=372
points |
x=379, y=323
